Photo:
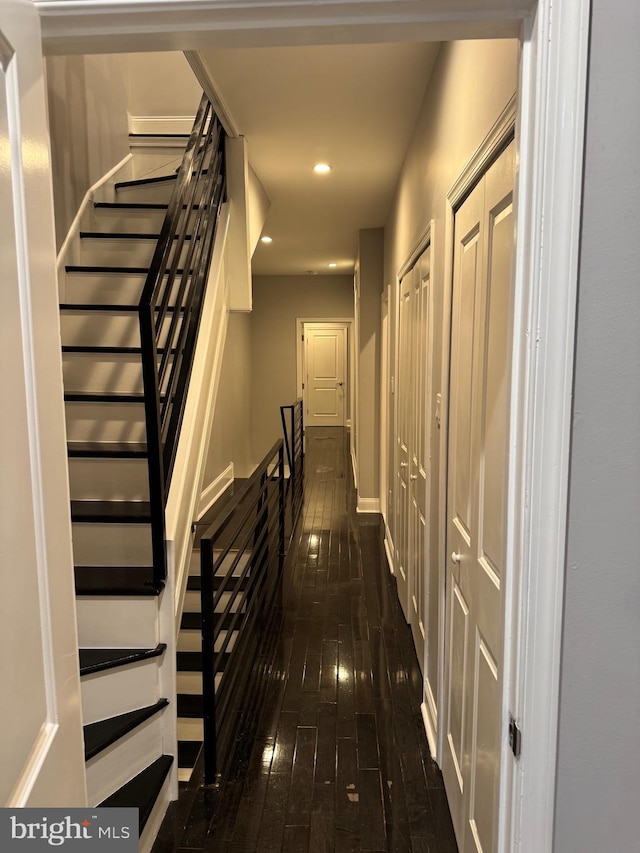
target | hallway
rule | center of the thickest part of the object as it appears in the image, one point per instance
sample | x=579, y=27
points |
x=339, y=760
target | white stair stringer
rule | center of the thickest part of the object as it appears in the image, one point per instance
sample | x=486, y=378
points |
x=124, y=759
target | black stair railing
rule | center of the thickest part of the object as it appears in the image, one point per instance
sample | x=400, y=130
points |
x=171, y=305
x=241, y=561
x=292, y=417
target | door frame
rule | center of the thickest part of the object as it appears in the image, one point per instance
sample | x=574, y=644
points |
x=550, y=137
x=346, y=322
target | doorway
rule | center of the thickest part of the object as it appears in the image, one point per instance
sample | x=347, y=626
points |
x=323, y=363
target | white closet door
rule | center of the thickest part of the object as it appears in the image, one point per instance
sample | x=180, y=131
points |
x=476, y=502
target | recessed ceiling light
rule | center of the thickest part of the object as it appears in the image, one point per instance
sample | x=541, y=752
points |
x=266, y=239
x=322, y=168
x=332, y=265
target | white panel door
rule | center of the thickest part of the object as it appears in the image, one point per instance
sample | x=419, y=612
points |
x=476, y=505
x=404, y=386
x=419, y=467
x=325, y=374
x=41, y=735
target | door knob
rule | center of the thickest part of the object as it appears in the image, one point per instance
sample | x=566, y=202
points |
x=413, y=477
x=404, y=464
x=456, y=558
x=340, y=383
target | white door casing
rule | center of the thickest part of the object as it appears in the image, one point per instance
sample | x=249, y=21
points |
x=325, y=374
x=476, y=544
x=42, y=744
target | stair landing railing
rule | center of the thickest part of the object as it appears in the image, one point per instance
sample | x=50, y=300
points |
x=292, y=417
x=171, y=305
x=241, y=563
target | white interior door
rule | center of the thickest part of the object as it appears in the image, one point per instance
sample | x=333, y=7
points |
x=419, y=467
x=403, y=440
x=476, y=505
x=325, y=383
x=41, y=735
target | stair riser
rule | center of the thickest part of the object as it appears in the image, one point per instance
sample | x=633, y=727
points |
x=116, y=691
x=129, y=221
x=146, y=193
x=192, y=602
x=190, y=728
x=189, y=682
x=103, y=288
x=105, y=422
x=108, y=289
x=191, y=641
x=118, y=622
x=104, y=328
x=112, y=544
x=159, y=159
x=102, y=252
x=114, y=374
x=123, y=760
x=109, y=479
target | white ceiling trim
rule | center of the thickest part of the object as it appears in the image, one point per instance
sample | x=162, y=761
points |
x=81, y=26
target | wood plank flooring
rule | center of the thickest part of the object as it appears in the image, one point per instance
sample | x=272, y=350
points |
x=337, y=759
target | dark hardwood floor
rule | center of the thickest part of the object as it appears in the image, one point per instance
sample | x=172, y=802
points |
x=337, y=759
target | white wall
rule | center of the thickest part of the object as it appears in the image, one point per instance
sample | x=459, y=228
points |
x=87, y=100
x=370, y=275
x=277, y=302
x=231, y=430
x=598, y=778
x=162, y=84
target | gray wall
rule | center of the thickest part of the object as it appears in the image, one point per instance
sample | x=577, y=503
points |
x=277, y=302
x=87, y=100
x=370, y=277
x=231, y=429
x=598, y=779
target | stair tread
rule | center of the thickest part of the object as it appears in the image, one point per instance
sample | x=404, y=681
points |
x=98, y=736
x=97, y=660
x=192, y=661
x=189, y=661
x=143, y=182
x=116, y=270
x=107, y=449
x=188, y=751
x=190, y=705
x=116, y=580
x=191, y=621
x=102, y=397
x=125, y=512
x=142, y=791
x=194, y=583
x=109, y=308
x=125, y=235
x=130, y=205
x=106, y=350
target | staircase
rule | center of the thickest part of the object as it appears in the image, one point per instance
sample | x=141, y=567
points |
x=125, y=609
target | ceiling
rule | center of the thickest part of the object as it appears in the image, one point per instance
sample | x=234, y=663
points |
x=352, y=106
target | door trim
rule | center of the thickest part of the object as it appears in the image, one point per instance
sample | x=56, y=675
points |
x=550, y=136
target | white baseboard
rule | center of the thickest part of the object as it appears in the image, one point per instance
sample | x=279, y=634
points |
x=429, y=729
x=160, y=124
x=215, y=489
x=354, y=468
x=368, y=505
x=388, y=549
